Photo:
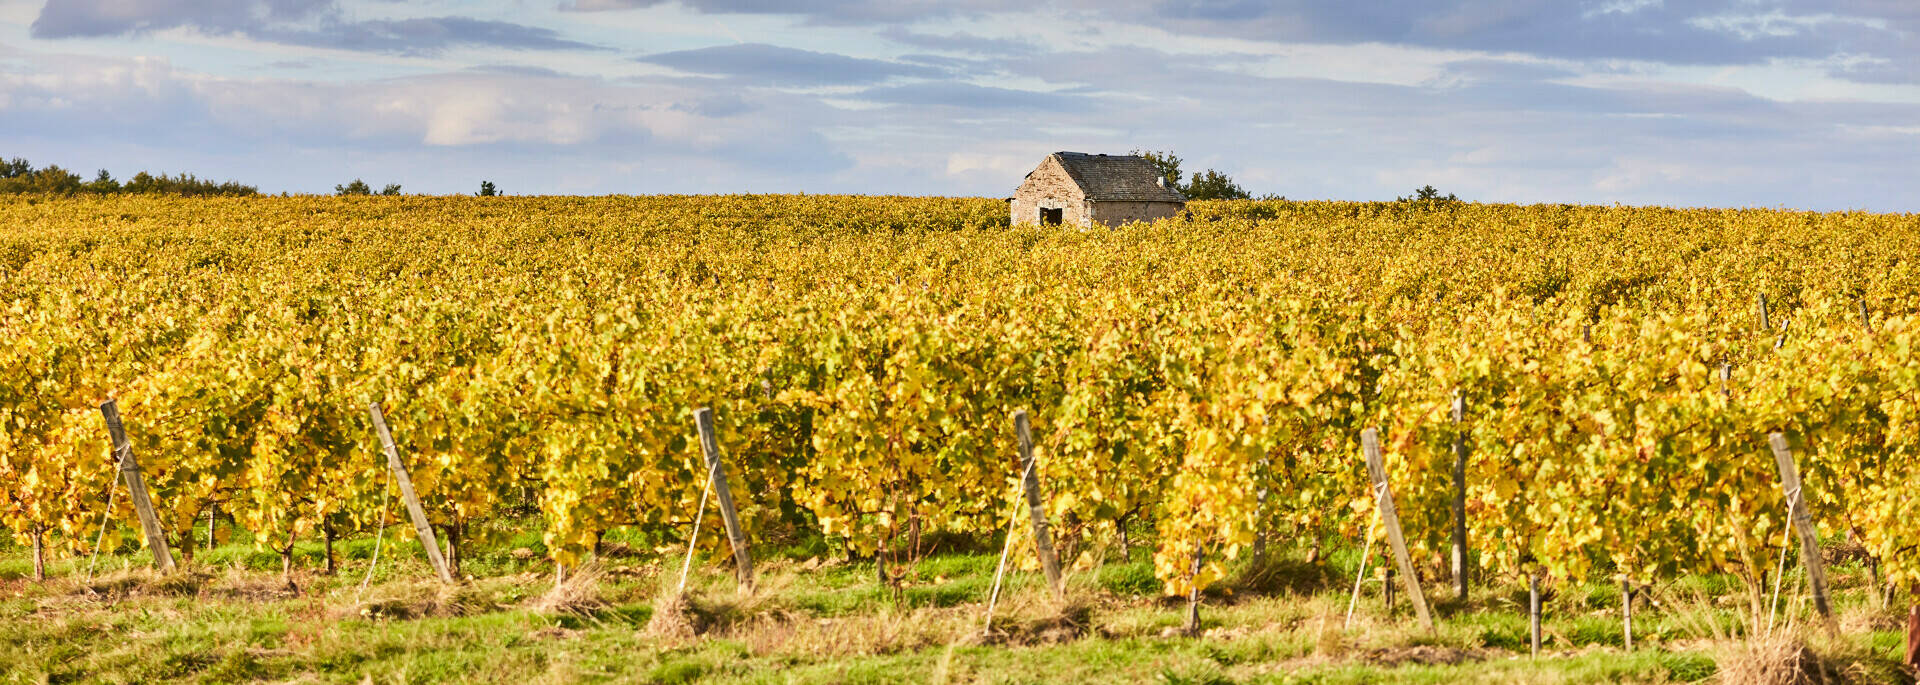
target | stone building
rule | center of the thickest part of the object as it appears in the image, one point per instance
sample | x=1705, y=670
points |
x=1082, y=190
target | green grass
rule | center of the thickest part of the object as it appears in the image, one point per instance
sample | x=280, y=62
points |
x=820, y=619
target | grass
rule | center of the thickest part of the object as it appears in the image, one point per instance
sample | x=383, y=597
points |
x=818, y=619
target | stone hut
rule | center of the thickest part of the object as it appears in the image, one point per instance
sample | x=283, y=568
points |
x=1080, y=189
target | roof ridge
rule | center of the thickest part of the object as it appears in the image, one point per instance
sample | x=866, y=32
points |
x=1127, y=178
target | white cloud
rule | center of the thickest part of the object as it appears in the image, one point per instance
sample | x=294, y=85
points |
x=510, y=115
x=1602, y=9
x=1779, y=24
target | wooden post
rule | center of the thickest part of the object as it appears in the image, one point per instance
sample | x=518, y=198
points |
x=736, y=535
x=39, y=554
x=213, y=522
x=1626, y=610
x=1386, y=590
x=137, y=487
x=1460, y=570
x=1042, y=537
x=1726, y=377
x=1193, y=598
x=421, y=527
x=1865, y=320
x=1765, y=324
x=1802, y=526
x=1370, y=443
x=1533, y=612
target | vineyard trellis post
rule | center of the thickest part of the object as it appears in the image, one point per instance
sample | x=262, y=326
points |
x=1383, y=499
x=39, y=554
x=1460, y=570
x=1386, y=590
x=137, y=488
x=422, y=527
x=1626, y=610
x=723, y=499
x=1042, y=536
x=1193, y=598
x=1802, y=522
x=1533, y=613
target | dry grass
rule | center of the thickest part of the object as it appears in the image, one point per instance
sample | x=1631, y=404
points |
x=145, y=582
x=1860, y=618
x=1795, y=649
x=238, y=584
x=578, y=595
x=1036, y=619
x=1781, y=659
x=887, y=631
x=766, y=626
x=416, y=599
x=673, y=617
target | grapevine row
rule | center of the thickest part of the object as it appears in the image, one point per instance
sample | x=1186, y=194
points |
x=862, y=356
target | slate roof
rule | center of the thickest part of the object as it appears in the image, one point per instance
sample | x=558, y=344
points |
x=1117, y=177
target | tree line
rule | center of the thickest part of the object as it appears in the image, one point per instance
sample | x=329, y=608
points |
x=19, y=176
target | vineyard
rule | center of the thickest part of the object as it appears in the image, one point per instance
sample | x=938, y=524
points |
x=1578, y=394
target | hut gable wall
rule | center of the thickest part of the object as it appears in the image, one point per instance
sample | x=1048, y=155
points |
x=1051, y=187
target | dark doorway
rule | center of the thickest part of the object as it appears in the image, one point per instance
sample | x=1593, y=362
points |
x=1050, y=217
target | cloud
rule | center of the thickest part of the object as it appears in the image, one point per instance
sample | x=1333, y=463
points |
x=772, y=65
x=1704, y=32
x=423, y=36
x=959, y=42
x=951, y=64
x=964, y=95
x=843, y=12
x=508, y=119
x=1500, y=70
x=1550, y=28
x=717, y=106
x=1873, y=35
x=516, y=69
x=1135, y=70
x=310, y=23
x=102, y=18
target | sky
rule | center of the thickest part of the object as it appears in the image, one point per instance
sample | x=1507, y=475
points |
x=1728, y=103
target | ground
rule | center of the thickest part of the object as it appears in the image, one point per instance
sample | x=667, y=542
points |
x=816, y=618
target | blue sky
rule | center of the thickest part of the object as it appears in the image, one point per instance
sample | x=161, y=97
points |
x=1772, y=103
